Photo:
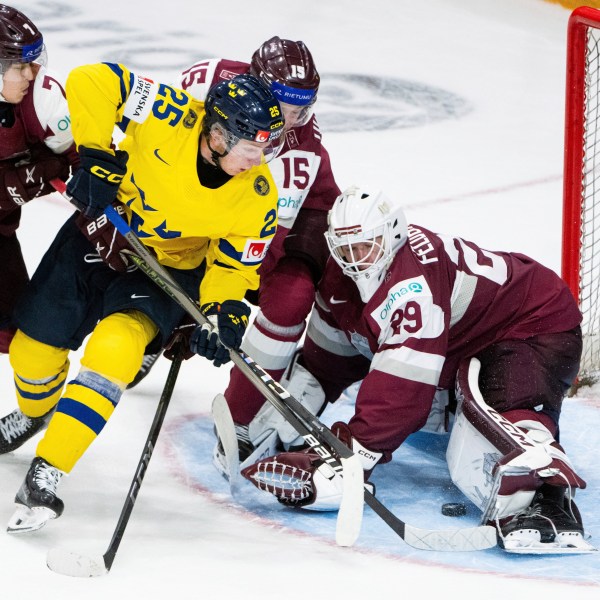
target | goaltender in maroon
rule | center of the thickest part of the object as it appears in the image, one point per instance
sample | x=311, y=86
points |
x=409, y=311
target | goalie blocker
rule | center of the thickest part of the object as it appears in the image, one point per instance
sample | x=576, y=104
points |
x=515, y=472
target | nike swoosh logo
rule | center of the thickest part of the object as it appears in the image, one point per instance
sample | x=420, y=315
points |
x=92, y=258
x=332, y=300
x=135, y=296
x=159, y=157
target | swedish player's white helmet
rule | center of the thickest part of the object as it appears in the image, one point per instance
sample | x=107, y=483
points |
x=371, y=222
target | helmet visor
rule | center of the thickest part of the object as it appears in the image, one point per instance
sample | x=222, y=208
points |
x=296, y=116
x=255, y=152
x=16, y=65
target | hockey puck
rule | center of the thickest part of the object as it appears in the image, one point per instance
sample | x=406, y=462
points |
x=454, y=509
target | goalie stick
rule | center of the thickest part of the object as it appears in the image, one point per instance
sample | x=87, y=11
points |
x=71, y=563
x=315, y=433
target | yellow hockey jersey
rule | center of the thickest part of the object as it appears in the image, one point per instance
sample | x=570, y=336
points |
x=169, y=209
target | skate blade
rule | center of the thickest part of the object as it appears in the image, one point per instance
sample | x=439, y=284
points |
x=528, y=542
x=26, y=519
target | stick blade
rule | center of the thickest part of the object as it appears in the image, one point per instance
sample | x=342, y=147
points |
x=73, y=564
x=350, y=515
x=452, y=540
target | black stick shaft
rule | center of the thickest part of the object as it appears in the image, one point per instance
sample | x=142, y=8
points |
x=142, y=467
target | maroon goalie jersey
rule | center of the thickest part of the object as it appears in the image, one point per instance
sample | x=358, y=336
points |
x=302, y=170
x=442, y=299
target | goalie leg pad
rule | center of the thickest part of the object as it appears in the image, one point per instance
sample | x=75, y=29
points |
x=495, y=463
x=307, y=390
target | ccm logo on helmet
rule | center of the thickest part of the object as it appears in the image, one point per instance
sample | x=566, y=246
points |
x=105, y=174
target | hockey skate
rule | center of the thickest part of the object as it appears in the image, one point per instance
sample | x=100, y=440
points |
x=147, y=364
x=550, y=525
x=36, y=499
x=16, y=428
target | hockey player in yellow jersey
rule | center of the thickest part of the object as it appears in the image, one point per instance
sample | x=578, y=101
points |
x=192, y=180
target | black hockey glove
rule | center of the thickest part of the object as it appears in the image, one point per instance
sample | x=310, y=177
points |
x=28, y=177
x=106, y=240
x=229, y=321
x=95, y=184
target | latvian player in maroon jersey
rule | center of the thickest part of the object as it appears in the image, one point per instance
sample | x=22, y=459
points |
x=36, y=145
x=413, y=313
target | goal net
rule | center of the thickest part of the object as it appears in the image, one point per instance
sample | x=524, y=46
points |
x=581, y=197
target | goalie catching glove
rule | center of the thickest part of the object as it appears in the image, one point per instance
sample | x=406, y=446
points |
x=106, y=240
x=95, y=184
x=303, y=479
x=228, y=322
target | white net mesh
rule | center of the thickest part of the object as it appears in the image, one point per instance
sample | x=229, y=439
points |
x=589, y=260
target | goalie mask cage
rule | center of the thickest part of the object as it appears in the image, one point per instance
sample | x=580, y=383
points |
x=581, y=194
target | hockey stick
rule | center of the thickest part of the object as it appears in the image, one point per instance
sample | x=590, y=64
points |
x=315, y=433
x=351, y=509
x=79, y=565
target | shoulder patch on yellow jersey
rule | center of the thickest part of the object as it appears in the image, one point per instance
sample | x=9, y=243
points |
x=141, y=98
x=190, y=119
x=261, y=186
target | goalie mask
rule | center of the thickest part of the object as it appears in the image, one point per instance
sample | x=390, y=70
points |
x=366, y=229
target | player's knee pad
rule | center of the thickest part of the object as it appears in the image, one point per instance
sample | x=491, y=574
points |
x=497, y=464
x=88, y=402
x=272, y=345
x=116, y=347
x=40, y=372
x=307, y=390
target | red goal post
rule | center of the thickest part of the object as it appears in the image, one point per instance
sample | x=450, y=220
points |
x=581, y=193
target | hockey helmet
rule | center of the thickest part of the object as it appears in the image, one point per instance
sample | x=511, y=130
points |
x=244, y=109
x=20, y=40
x=288, y=68
x=366, y=229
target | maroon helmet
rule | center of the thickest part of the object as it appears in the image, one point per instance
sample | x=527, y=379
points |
x=20, y=39
x=288, y=68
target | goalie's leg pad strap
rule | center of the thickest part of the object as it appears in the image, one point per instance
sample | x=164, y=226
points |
x=40, y=372
x=88, y=402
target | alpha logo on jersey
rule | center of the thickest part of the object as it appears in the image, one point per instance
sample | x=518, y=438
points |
x=190, y=119
x=141, y=98
x=261, y=185
x=397, y=294
x=255, y=251
x=408, y=310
